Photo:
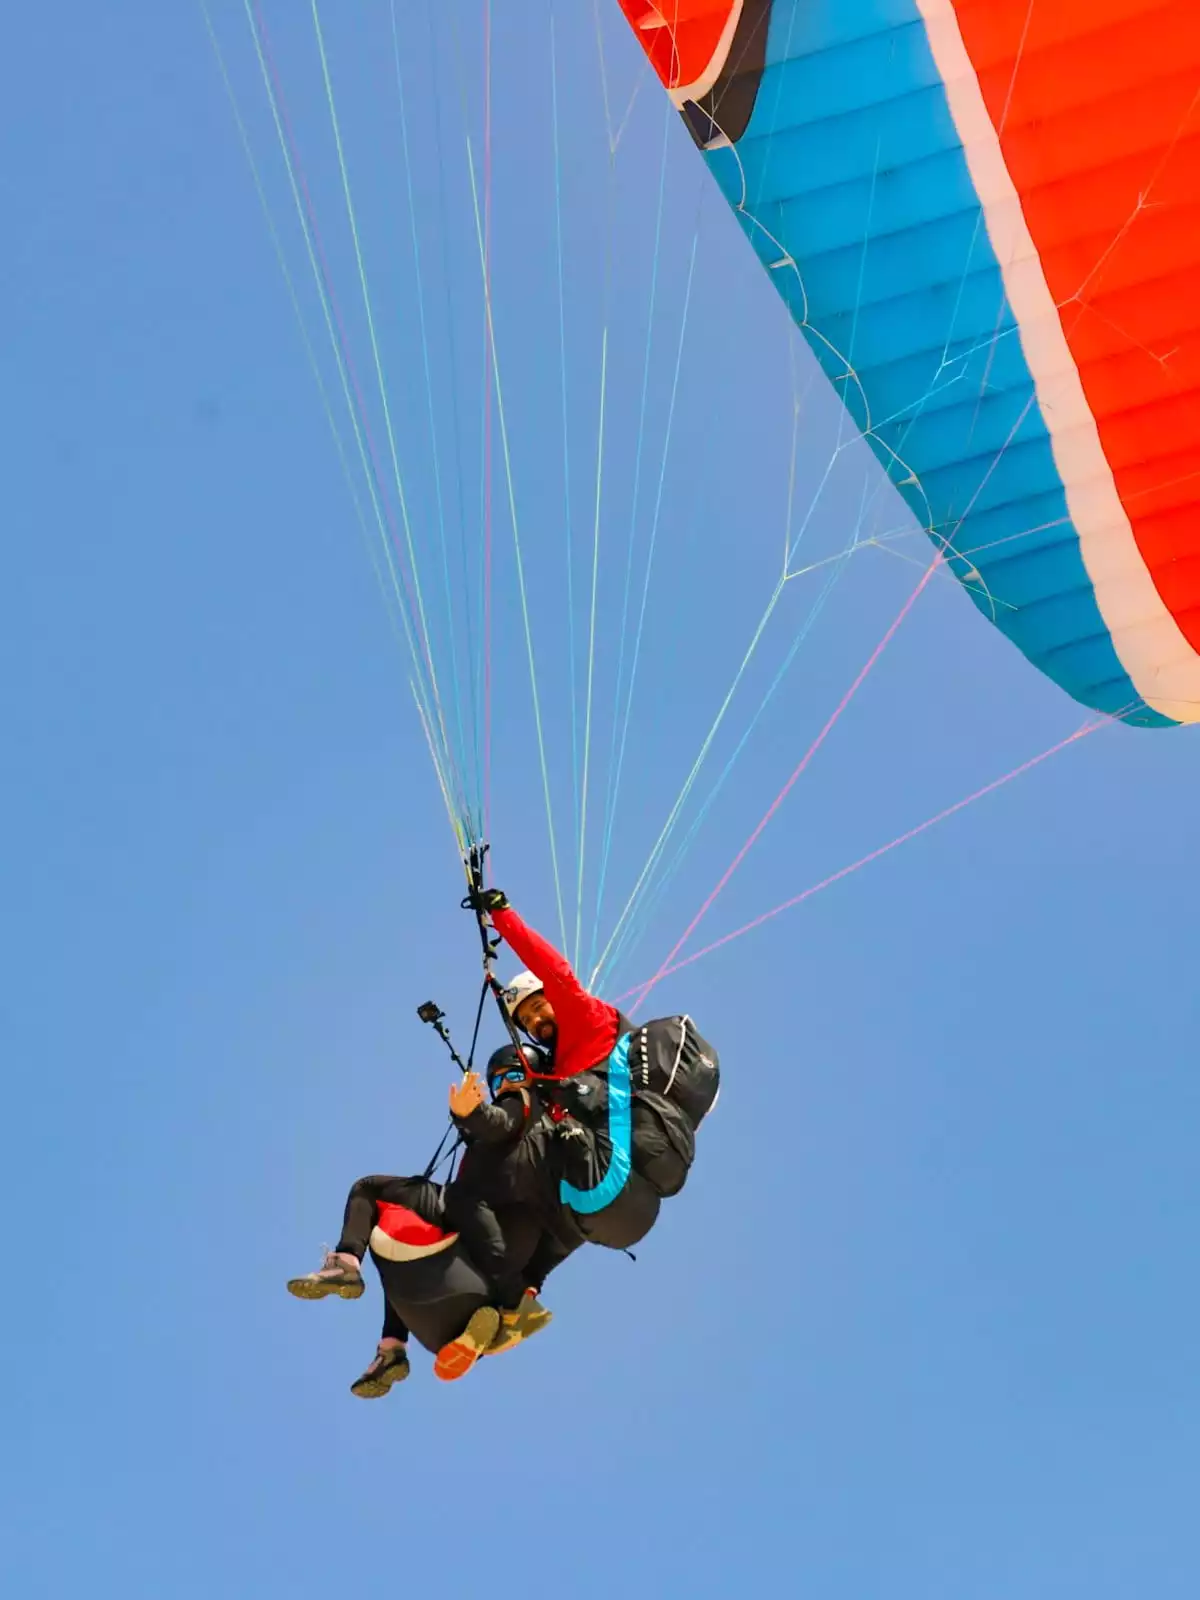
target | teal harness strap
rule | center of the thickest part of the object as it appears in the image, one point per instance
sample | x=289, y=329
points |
x=620, y=1131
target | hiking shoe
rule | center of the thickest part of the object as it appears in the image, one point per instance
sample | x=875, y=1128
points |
x=389, y=1366
x=455, y=1360
x=339, y=1274
x=523, y=1322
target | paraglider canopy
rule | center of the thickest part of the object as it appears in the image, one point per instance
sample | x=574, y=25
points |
x=996, y=262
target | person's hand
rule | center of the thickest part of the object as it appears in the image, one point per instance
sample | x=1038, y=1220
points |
x=487, y=900
x=466, y=1096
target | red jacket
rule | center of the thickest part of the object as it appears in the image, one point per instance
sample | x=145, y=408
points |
x=588, y=1028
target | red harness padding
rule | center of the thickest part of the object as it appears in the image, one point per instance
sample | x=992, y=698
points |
x=401, y=1235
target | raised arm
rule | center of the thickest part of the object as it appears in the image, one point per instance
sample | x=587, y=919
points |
x=582, y=1029
x=538, y=954
x=498, y=1123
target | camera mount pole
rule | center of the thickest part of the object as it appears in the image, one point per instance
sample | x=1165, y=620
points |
x=435, y=1017
x=432, y=1014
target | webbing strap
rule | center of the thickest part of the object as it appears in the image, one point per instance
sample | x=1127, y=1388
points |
x=473, y=863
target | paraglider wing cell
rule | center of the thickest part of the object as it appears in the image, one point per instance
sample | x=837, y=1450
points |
x=983, y=216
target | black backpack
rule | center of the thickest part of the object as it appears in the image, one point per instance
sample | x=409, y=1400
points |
x=671, y=1058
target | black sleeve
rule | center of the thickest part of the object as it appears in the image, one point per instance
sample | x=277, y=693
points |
x=498, y=1123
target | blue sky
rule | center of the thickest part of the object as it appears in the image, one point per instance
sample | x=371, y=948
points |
x=924, y=1322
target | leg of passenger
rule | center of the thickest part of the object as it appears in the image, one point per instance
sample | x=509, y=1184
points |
x=340, y=1272
x=475, y=1221
x=360, y=1214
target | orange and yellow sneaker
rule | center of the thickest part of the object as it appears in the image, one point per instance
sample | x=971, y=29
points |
x=455, y=1360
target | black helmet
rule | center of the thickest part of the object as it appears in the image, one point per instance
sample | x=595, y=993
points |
x=511, y=1068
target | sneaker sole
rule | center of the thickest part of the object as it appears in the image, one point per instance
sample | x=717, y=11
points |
x=376, y=1388
x=311, y=1289
x=455, y=1360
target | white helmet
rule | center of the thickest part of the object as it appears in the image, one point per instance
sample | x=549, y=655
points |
x=520, y=989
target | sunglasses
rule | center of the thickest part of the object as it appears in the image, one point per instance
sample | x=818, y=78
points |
x=509, y=1075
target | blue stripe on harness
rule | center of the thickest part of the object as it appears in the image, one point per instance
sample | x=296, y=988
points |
x=620, y=1131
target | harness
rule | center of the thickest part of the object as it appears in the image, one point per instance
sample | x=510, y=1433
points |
x=620, y=1132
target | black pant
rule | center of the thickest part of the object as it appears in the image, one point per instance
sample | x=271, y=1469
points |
x=447, y=1205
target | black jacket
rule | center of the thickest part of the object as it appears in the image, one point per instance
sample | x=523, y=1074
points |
x=513, y=1163
x=508, y=1159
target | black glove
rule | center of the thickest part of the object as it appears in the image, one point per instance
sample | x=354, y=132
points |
x=486, y=900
